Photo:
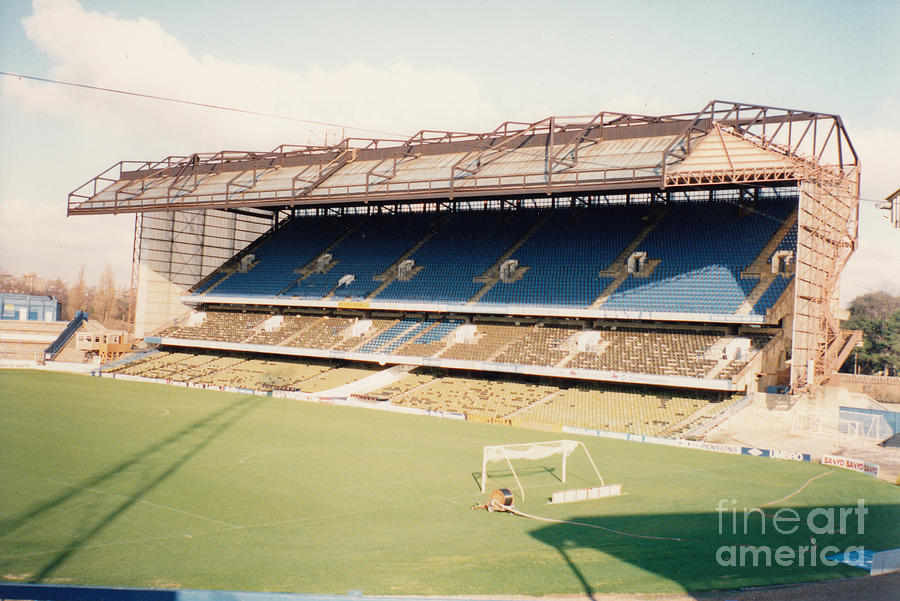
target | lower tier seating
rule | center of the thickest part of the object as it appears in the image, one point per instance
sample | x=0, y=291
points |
x=508, y=399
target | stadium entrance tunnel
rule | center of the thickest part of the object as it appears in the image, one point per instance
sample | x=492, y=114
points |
x=709, y=551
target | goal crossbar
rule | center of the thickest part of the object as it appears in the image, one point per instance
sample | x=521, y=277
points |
x=533, y=451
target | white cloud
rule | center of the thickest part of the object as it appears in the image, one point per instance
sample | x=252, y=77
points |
x=878, y=151
x=39, y=238
x=94, y=128
x=138, y=55
x=876, y=263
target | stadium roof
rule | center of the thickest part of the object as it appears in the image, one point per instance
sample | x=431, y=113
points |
x=725, y=143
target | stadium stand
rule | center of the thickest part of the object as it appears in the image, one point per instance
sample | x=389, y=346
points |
x=432, y=341
x=622, y=272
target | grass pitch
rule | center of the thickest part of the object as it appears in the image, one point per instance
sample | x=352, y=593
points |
x=117, y=483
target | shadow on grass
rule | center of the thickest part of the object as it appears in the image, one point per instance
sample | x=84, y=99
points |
x=715, y=551
x=150, y=467
x=507, y=474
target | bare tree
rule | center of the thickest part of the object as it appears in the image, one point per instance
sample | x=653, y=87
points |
x=105, y=301
x=78, y=295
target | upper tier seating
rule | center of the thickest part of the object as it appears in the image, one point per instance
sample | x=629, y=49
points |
x=563, y=257
x=279, y=257
x=366, y=252
x=695, y=255
x=702, y=250
x=463, y=249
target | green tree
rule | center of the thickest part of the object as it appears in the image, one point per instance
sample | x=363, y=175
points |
x=877, y=314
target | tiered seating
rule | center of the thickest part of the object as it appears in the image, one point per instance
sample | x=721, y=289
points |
x=352, y=342
x=291, y=325
x=261, y=374
x=757, y=342
x=252, y=373
x=541, y=346
x=564, y=256
x=224, y=326
x=484, y=397
x=705, y=413
x=634, y=410
x=338, y=376
x=463, y=249
x=772, y=293
x=488, y=343
x=278, y=259
x=384, y=338
x=699, y=272
x=648, y=350
x=561, y=254
x=665, y=352
x=366, y=252
x=158, y=365
x=408, y=335
x=567, y=258
x=411, y=381
x=322, y=333
x=432, y=341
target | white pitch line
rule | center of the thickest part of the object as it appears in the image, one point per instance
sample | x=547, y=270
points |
x=243, y=459
x=167, y=507
x=196, y=534
x=799, y=490
x=132, y=541
x=166, y=412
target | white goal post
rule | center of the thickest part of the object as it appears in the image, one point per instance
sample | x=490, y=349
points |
x=532, y=450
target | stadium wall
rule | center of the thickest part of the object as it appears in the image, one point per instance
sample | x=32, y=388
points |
x=881, y=388
x=175, y=250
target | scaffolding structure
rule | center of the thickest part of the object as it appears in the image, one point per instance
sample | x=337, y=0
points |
x=175, y=250
x=194, y=213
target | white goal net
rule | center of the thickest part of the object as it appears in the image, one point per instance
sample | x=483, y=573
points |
x=852, y=426
x=533, y=451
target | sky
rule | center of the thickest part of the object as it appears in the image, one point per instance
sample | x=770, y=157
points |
x=396, y=67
